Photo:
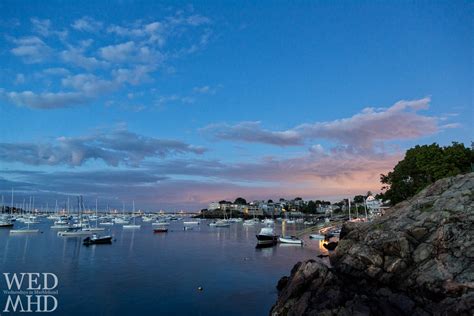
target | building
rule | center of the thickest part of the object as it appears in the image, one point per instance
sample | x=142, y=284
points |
x=213, y=206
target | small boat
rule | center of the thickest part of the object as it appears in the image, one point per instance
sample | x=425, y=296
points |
x=107, y=223
x=290, y=240
x=267, y=236
x=190, y=223
x=212, y=224
x=249, y=222
x=131, y=226
x=160, y=230
x=59, y=227
x=74, y=232
x=222, y=224
x=317, y=236
x=188, y=228
x=5, y=224
x=159, y=223
x=97, y=239
x=24, y=231
x=290, y=221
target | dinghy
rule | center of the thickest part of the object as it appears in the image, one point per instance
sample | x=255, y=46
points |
x=290, y=240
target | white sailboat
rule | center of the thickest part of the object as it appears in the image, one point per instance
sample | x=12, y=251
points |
x=24, y=230
x=134, y=225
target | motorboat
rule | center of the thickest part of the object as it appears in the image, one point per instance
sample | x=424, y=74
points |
x=191, y=223
x=290, y=240
x=97, y=239
x=317, y=236
x=290, y=221
x=267, y=236
x=188, y=228
x=162, y=229
x=6, y=224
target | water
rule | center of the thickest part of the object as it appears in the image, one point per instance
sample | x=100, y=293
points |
x=143, y=273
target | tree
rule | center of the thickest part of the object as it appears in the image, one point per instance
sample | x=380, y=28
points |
x=359, y=199
x=240, y=201
x=423, y=165
x=270, y=201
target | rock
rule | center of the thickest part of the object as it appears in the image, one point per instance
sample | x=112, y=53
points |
x=418, y=259
x=330, y=245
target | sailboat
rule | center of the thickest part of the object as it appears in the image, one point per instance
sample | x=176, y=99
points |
x=24, y=230
x=134, y=225
x=96, y=228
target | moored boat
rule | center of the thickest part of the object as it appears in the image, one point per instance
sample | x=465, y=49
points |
x=290, y=240
x=162, y=229
x=317, y=236
x=267, y=236
x=97, y=239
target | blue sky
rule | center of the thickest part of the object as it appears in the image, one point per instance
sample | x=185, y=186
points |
x=177, y=104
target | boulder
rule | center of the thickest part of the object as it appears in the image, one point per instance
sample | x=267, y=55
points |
x=417, y=259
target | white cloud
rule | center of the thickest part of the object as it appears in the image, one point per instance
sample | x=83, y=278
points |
x=20, y=79
x=46, y=100
x=31, y=49
x=361, y=131
x=87, y=24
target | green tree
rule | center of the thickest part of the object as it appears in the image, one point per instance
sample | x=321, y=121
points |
x=422, y=166
x=240, y=201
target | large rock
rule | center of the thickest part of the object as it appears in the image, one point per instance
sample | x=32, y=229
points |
x=418, y=259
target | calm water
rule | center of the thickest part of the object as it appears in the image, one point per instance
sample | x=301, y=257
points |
x=143, y=273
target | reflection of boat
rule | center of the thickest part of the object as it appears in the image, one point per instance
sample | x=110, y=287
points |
x=97, y=239
x=265, y=245
x=267, y=236
x=290, y=240
x=317, y=236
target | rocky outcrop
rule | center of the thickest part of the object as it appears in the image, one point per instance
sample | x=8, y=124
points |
x=417, y=259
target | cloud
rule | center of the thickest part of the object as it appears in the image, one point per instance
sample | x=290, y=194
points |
x=205, y=90
x=58, y=71
x=31, y=49
x=363, y=130
x=20, y=79
x=192, y=183
x=75, y=57
x=43, y=27
x=131, y=52
x=252, y=132
x=45, y=100
x=87, y=24
x=115, y=147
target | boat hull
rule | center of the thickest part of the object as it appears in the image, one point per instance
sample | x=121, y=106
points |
x=98, y=241
x=290, y=241
x=267, y=239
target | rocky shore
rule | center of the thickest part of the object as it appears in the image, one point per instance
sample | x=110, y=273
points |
x=418, y=259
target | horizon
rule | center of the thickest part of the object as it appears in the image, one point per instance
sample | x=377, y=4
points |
x=175, y=105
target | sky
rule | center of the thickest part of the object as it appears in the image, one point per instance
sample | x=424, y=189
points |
x=177, y=104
